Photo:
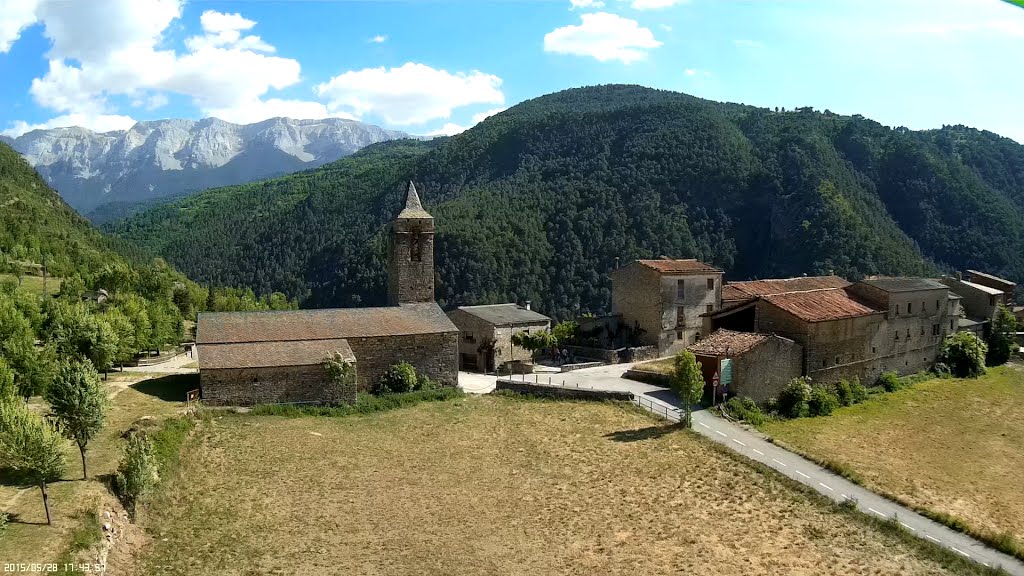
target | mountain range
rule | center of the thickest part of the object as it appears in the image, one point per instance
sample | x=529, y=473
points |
x=104, y=175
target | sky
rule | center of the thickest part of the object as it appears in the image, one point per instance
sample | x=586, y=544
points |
x=440, y=66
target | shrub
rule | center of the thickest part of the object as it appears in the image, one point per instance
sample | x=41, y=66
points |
x=890, y=381
x=822, y=401
x=423, y=382
x=792, y=401
x=398, y=379
x=844, y=393
x=1002, y=341
x=964, y=353
x=942, y=370
x=136, y=473
x=858, y=391
x=745, y=409
x=366, y=404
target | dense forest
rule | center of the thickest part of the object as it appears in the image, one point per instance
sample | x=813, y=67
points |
x=541, y=201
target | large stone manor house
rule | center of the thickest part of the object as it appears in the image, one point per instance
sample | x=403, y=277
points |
x=248, y=358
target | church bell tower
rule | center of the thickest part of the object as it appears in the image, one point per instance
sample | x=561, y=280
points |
x=411, y=254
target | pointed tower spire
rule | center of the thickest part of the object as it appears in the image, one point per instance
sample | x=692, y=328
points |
x=413, y=207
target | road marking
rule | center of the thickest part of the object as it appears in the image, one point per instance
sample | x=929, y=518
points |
x=908, y=527
x=958, y=551
x=802, y=474
x=845, y=497
x=738, y=442
x=932, y=538
x=985, y=564
x=826, y=486
x=704, y=425
x=877, y=512
x=779, y=463
x=756, y=451
x=720, y=433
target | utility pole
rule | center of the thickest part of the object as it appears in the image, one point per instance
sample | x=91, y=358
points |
x=45, y=293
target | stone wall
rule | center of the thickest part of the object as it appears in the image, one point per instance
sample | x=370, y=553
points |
x=411, y=261
x=434, y=355
x=976, y=303
x=763, y=371
x=560, y=391
x=473, y=331
x=636, y=295
x=276, y=385
x=619, y=355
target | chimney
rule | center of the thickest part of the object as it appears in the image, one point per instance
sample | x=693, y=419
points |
x=616, y=263
x=527, y=304
x=959, y=275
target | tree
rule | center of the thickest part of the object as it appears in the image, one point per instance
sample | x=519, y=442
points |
x=534, y=342
x=137, y=472
x=79, y=402
x=400, y=377
x=105, y=347
x=566, y=332
x=7, y=388
x=17, y=347
x=687, y=382
x=794, y=399
x=125, y=332
x=134, y=308
x=1003, y=340
x=30, y=446
x=964, y=353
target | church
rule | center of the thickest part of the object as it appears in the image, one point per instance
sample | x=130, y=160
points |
x=248, y=358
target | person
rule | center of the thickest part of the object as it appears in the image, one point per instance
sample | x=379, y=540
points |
x=565, y=354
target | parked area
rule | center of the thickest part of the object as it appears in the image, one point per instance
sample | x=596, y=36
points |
x=948, y=445
x=493, y=485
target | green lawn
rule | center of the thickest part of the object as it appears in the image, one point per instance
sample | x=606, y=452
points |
x=34, y=284
x=952, y=446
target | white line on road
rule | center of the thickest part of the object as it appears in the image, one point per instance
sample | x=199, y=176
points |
x=932, y=538
x=877, y=512
x=738, y=442
x=756, y=451
x=779, y=463
x=802, y=474
x=825, y=486
x=958, y=551
x=704, y=425
x=908, y=527
x=719, y=433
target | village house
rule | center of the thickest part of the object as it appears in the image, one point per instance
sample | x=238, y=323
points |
x=663, y=300
x=250, y=358
x=979, y=300
x=756, y=366
x=485, y=334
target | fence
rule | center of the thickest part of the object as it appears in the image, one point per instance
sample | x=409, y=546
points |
x=670, y=413
x=524, y=385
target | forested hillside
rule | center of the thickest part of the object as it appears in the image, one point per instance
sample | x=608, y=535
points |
x=538, y=202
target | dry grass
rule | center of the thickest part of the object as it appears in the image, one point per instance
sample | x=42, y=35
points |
x=951, y=446
x=34, y=284
x=491, y=485
x=661, y=366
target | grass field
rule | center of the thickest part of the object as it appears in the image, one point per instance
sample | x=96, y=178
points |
x=33, y=284
x=661, y=366
x=493, y=485
x=950, y=446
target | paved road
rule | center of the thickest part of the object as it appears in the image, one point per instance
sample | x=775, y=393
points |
x=750, y=444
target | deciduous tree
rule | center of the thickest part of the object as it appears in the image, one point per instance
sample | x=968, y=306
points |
x=30, y=446
x=79, y=402
x=688, y=383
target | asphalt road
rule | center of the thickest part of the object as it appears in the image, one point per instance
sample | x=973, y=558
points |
x=664, y=403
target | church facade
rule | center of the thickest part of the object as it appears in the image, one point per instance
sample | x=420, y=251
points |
x=248, y=358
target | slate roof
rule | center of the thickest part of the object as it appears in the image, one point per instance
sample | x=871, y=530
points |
x=986, y=289
x=265, y=354
x=327, y=324
x=500, y=314
x=903, y=284
x=413, y=207
x=820, y=305
x=667, y=266
x=724, y=342
x=752, y=288
x=974, y=273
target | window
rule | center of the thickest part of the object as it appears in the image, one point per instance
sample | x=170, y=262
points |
x=824, y=363
x=711, y=308
x=922, y=329
x=935, y=329
x=680, y=316
x=872, y=349
x=680, y=289
x=415, y=250
x=679, y=335
x=897, y=334
x=910, y=307
x=951, y=325
x=837, y=360
x=936, y=305
x=908, y=332
x=897, y=309
x=711, y=283
x=469, y=337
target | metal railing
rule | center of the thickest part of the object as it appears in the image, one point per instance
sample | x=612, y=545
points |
x=670, y=413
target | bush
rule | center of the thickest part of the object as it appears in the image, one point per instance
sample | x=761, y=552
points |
x=964, y=353
x=792, y=401
x=844, y=393
x=136, y=473
x=858, y=391
x=423, y=382
x=366, y=404
x=398, y=379
x=890, y=381
x=745, y=409
x=822, y=401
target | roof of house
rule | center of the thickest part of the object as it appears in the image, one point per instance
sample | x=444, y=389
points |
x=413, y=207
x=968, y=322
x=903, y=283
x=986, y=289
x=953, y=296
x=974, y=273
x=327, y=324
x=670, y=266
x=820, y=305
x=724, y=342
x=265, y=354
x=752, y=288
x=499, y=314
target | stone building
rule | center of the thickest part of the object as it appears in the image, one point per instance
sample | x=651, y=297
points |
x=250, y=358
x=665, y=299
x=1005, y=286
x=979, y=301
x=485, y=334
x=757, y=366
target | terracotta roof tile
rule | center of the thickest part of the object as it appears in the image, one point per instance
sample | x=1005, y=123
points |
x=820, y=305
x=264, y=354
x=329, y=324
x=752, y=288
x=727, y=343
x=666, y=266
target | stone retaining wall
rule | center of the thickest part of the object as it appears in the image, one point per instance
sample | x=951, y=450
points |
x=537, y=389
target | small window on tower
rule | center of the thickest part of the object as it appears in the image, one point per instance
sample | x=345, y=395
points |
x=415, y=249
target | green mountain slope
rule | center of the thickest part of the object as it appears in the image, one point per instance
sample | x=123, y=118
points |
x=538, y=202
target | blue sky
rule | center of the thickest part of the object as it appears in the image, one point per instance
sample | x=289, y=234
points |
x=433, y=66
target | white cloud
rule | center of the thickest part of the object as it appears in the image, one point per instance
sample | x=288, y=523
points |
x=114, y=47
x=379, y=39
x=449, y=129
x=665, y=27
x=602, y=36
x=743, y=43
x=15, y=16
x=696, y=72
x=410, y=94
x=480, y=117
x=1011, y=28
x=586, y=4
x=96, y=123
x=655, y=4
